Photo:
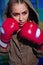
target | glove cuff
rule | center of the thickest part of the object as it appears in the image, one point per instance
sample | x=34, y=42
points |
x=4, y=45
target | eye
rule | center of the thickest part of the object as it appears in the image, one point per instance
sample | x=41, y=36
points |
x=24, y=13
x=15, y=14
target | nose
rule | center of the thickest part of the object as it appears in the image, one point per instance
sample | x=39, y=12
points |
x=20, y=17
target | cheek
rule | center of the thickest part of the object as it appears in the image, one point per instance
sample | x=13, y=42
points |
x=26, y=17
x=17, y=18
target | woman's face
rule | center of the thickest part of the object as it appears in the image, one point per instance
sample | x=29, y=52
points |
x=20, y=12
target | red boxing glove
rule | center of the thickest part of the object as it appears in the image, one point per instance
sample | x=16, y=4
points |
x=32, y=32
x=9, y=26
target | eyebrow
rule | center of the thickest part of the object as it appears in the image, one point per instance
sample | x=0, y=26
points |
x=15, y=13
x=24, y=11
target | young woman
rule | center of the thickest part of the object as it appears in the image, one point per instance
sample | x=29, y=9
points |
x=19, y=53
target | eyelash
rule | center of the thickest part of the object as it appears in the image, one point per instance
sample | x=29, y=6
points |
x=16, y=14
x=24, y=13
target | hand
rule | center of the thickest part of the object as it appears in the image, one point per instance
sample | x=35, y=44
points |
x=32, y=32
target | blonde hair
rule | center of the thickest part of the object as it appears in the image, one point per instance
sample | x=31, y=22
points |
x=32, y=13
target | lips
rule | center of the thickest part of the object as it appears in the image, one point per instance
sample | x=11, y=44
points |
x=21, y=24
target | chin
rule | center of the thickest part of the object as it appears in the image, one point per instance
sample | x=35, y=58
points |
x=21, y=26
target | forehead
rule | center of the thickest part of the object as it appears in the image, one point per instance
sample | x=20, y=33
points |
x=19, y=7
